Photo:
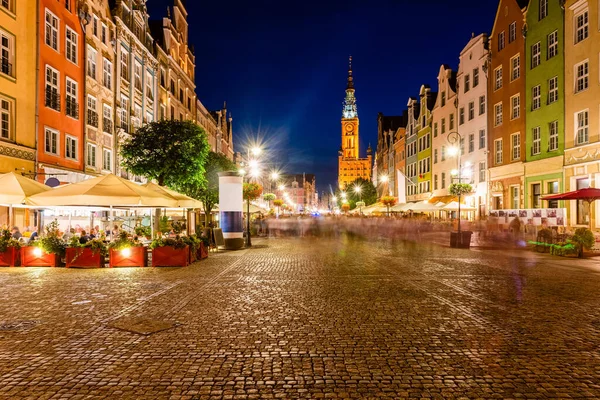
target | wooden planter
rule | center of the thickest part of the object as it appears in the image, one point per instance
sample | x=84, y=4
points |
x=168, y=256
x=138, y=257
x=83, y=258
x=202, y=252
x=192, y=255
x=10, y=258
x=29, y=259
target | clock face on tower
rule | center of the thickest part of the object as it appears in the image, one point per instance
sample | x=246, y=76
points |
x=349, y=128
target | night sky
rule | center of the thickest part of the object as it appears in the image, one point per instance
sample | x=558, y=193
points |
x=282, y=66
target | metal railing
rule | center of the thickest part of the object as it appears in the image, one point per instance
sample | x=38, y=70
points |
x=72, y=108
x=52, y=98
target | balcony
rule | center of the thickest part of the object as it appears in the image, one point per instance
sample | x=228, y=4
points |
x=52, y=98
x=92, y=118
x=6, y=68
x=107, y=125
x=72, y=108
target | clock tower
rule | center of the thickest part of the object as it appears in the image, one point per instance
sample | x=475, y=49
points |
x=351, y=166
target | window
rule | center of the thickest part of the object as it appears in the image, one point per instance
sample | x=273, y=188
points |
x=471, y=110
x=467, y=83
x=71, y=99
x=435, y=156
x=51, y=142
x=124, y=116
x=443, y=180
x=149, y=81
x=515, y=64
x=8, y=4
x=475, y=77
x=163, y=111
x=481, y=105
x=163, y=77
x=553, y=137
x=482, y=139
x=95, y=26
x=125, y=65
x=581, y=26
x=498, y=151
x=552, y=90
x=501, y=43
x=462, y=146
x=52, y=89
x=451, y=121
x=106, y=159
x=137, y=71
x=104, y=36
x=435, y=182
x=552, y=189
x=7, y=53
x=515, y=140
x=107, y=124
x=536, y=97
x=497, y=78
x=536, y=147
x=471, y=142
x=581, y=76
x=92, y=114
x=443, y=99
x=515, y=106
x=91, y=62
x=583, y=207
x=461, y=116
x=173, y=87
x=7, y=118
x=107, y=73
x=512, y=32
x=51, y=30
x=536, y=54
x=498, y=114
x=443, y=153
x=482, y=171
x=543, y=9
x=582, y=135
x=515, y=197
x=443, y=125
x=71, y=45
x=435, y=129
x=71, y=147
x=552, y=44
x=149, y=117
x=91, y=155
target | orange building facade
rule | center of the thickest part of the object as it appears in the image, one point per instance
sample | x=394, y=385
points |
x=61, y=84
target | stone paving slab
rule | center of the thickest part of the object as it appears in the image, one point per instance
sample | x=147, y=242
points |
x=308, y=318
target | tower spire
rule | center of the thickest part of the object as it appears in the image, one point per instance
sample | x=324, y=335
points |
x=350, y=78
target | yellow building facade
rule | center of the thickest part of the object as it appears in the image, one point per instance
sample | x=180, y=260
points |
x=18, y=83
x=582, y=135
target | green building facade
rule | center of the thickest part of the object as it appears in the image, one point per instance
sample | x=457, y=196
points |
x=545, y=107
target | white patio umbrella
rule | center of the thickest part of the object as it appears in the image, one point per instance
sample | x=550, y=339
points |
x=103, y=191
x=453, y=206
x=16, y=189
x=182, y=199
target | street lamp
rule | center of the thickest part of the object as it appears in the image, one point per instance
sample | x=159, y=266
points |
x=254, y=172
x=358, y=190
x=385, y=179
x=455, y=138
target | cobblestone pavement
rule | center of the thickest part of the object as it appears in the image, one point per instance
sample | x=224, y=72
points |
x=307, y=318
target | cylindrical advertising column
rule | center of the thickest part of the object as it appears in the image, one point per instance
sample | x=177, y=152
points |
x=231, y=209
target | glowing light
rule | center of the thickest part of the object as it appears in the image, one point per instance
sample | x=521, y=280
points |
x=255, y=173
x=453, y=151
x=253, y=163
x=281, y=187
x=344, y=195
x=468, y=164
x=357, y=189
x=38, y=252
x=242, y=172
x=256, y=151
x=454, y=172
x=334, y=198
x=274, y=176
x=126, y=252
x=385, y=179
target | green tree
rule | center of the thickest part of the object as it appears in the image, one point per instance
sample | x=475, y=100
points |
x=208, y=191
x=368, y=193
x=171, y=152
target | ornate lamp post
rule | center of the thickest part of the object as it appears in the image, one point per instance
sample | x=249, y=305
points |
x=358, y=190
x=455, y=138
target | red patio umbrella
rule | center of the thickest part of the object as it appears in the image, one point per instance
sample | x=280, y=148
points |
x=587, y=194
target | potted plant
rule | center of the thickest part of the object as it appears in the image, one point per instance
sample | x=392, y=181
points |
x=193, y=244
x=143, y=231
x=203, y=249
x=388, y=201
x=169, y=252
x=460, y=239
x=9, y=249
x=47, y=251
x=278, y=203
x=345, y=207
x=583, y=239
x=125, y=252
x=92, y=254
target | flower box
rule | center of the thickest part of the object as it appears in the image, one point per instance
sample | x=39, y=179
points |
x=83, y=258
x=193, y=255
x=131, y=257
x=168, y=256
x=30, y=259
x=202, y=252
x=10, y=258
